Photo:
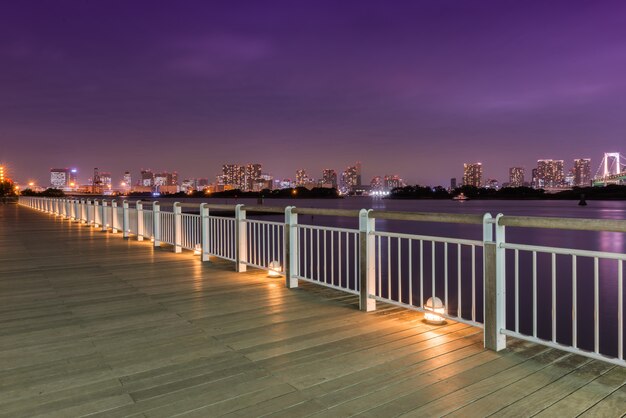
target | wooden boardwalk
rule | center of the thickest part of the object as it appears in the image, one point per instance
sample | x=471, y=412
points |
x=91, y=324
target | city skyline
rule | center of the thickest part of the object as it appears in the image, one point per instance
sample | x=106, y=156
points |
x=546, y=173
x=419, y=87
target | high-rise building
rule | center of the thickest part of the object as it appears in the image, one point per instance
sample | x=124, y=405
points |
x=391, y=182
x=582, y=172
x=252, y=175
x=535, y=179
x=301, y=177
x=351, y=178
x=472, y=174
x=550, y=173
x=329, y=176
x=172, y=179
x=376, y=184
x=127, y=179
x=234, y=176
x=59, y=178
x=73, y=178
x=147, y=178
x=1, y=173
x=106, y=180
x=516, y=176
x=453, y=183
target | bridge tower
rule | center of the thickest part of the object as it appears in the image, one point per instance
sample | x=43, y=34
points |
x=612, y=169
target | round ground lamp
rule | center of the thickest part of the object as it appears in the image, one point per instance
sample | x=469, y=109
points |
x=434, y=310
x=274, y=269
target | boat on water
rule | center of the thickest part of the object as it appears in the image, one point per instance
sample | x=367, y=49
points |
x=460, y=197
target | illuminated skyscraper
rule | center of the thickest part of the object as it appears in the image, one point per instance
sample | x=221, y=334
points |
x=301, y=177
x=376, y=184
x=234, y=176
x=329, y=176
x=1, y=173
x=582, y=172
x=351, y=178
x=59, y=178
x=472, y=174
x=550, y=173
x=127, y=179
x=253, y=175
x=391, y=182
x=516, y=176
x=147, y=178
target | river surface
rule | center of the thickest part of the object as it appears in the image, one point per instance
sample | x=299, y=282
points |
x=394, y=273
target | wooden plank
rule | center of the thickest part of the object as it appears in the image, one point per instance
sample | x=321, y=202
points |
x=94, y=324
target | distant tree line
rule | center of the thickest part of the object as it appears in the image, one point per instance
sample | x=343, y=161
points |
x=610, y=192
x=50, y=192
x=7, y=188
x=298, y=193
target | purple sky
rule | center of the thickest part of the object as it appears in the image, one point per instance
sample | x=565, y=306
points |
x=414, y=88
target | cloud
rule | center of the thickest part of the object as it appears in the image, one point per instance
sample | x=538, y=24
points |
x=218, y=53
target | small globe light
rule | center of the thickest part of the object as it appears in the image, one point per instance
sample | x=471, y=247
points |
x=274, y=269
x=152, y=238
x=434, y=310
x=197, y=250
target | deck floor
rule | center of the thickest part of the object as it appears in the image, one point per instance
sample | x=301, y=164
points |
x=92, y=324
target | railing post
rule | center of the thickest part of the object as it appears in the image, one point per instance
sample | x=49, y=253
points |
x=240, y=238
x=83, y=211
x=204, y=231
x=88, y=204
x=494, y=291
x=367, y=260
x=178, y=228
x=156, y=223
x=103, y=216
x=68, y=209
x=96, y=208
x=125, y=219
x=291, y=247
x=140, y=220
x=114, y=224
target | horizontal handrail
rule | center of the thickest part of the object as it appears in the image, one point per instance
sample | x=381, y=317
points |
x=427, y=217
x=350, y=213
x=578, y=224
x=264, y=209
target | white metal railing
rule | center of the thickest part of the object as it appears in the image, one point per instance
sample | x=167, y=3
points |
x=191, y=231
x=410, y=269
x=328, y=256
x=554, y=294
x=265, y=245
x=582, y=269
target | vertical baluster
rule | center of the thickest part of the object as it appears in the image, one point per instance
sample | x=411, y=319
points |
x=400, y=270
x=517, y=290
x=445, y=276
x=410, y=242
x=620, y=310
x=553, y=297
x=380, y=268
x=459, y=309
x=421, y=274
x=317, y=258
x=574, y=303
x=535, y=294
x=596, y=305
x=432, y=271
x=388, y=267
x=473, y=283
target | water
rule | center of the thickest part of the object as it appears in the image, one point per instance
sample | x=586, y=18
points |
x=598, y=241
